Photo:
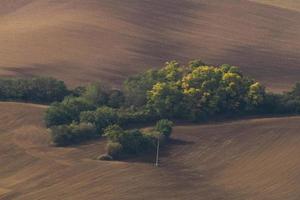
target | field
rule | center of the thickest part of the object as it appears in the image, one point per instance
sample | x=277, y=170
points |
x=81, y=41
x=246, y=159
x=288, y=4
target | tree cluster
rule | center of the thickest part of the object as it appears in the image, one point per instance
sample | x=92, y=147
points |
x=194, y=92
x=37, y=90
x=133, y=142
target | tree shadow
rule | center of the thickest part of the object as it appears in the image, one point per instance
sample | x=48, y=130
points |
x=150, y=157
x=173, y=141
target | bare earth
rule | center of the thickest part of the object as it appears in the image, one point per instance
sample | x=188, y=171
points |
x=90, y=40
x=248, y=159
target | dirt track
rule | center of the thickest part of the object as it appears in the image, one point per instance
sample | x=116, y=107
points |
x=248, y=159
x=82, y=41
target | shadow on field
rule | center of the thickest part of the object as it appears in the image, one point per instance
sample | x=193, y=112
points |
x=164, y=152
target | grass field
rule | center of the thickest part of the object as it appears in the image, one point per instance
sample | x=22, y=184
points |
x=246, y=159
x=82, y=41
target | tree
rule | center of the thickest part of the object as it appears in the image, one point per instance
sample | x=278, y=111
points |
x=164, y=126
x=256, y=96
x=116, y=99
x=195, y=64
x=114, y=133
x=171, y=72
x=39, y=90
x=166, y=99
x=105, y=116
x=96, y=94
x=136, y=87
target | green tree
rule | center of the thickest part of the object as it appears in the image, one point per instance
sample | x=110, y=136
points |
x=136, y=87
x=165, y=127
x=96, y=94
x=166, y=99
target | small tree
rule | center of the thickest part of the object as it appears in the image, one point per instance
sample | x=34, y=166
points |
x=114, y=133
x=165, y=127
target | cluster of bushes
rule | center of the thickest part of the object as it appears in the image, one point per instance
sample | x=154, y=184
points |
x=74, y=133
x=286, y=103
x=38, y=90
x=195, y=92
x=133, y=142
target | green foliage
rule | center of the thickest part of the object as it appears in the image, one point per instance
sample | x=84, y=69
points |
x=115, y=99
x=102, y=117
x=166, y=99
x=131, y=142
x=164, y=127
x=114, y=149
x=171, y=72
x=96, y=94
x=114, y=133
x=212, y=90
x=195, y=64
x=256, y=96
x=194, y=92
x=38, y=90
x=67, y=111
x=128, y=116
x=74, y=133
x=136, y=87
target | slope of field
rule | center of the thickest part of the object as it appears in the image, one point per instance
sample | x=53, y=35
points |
x=248, y=159
x=87, y=40
x=289, y=4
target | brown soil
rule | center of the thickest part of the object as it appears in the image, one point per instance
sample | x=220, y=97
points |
x=247, y=159
x=82, y=41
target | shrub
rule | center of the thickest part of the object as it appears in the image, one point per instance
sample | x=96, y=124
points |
x=64, y=135
x=67, y=111
x=132, y=142
x=96, y=94
x=136, y=87
x=38, y=90
x=105, y=116
x=135, y=116
x=114, y=133
x=114, y=149
x=116, y=99
x=57, y=114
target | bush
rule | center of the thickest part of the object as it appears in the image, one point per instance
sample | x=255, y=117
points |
x=164, y=127
x=102, y=117
x=96, y=94
x=65, y=135
x=116, y=99
x=67, y=111
x=37, y=90
x=135, y=116
x=136, y=87
x=132, y=142
x=114, y=149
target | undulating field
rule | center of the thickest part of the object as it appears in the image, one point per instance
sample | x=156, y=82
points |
x=80, y=41
x=247, y=159
x=90, y=40
x=289, y=4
